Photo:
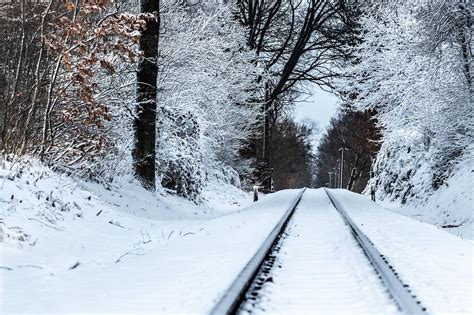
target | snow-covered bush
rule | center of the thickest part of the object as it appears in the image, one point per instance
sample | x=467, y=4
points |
x=180, y=159
x=401, y=167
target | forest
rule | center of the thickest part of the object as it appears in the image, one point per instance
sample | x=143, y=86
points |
x=177, y=93
x=236, y=157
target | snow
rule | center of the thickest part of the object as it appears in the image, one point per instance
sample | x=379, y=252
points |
x=322, y=267
x=71, y=246
x=437, y=265
x=450, y=207
x=122, y=250
x=422, y=96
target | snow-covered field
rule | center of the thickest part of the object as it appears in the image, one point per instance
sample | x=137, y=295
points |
x=74, y=247
x=69, y=246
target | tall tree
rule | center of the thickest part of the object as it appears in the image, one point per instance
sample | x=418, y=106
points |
x=206, y=77
x=295, y=41
x=145, y=121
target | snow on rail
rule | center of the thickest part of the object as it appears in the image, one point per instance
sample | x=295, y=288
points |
x=400, y=291
x=234, y=295
x=319, y=268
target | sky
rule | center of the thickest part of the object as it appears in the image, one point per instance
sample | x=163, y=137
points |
x=320, y=106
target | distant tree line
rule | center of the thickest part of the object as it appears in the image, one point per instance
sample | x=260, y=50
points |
x=293, y=153
x=356, y=133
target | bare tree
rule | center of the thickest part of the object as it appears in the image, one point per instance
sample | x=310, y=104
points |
x=296, y=41
x=292, y=150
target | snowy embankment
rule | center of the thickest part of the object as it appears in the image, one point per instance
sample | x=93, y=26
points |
x=70, y=246
x=436, y=265
x=450, y=207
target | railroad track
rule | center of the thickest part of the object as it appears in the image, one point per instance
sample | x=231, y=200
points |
x=244, y=290
x=397, y=288
x=236, y=293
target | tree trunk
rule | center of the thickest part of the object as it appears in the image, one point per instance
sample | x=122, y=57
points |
x=466, y=39
x=267, y=150
x=145, y=121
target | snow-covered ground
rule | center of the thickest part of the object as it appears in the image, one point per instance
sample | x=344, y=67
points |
x=74, y=247
x=437, y=265
x=322, y=270
x=69, y=246
x=451, y=207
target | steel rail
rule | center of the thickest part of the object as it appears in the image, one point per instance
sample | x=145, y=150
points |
x=235, y=294
x=398, y=289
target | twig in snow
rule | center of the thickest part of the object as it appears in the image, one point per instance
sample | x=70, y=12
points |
x=145, y=236
x=188, y=233
x=170, y=234
x=130, y=252
x=74, y=266
x=98, y=213
x=6, y=268
x=116, y=224
x=451, y=226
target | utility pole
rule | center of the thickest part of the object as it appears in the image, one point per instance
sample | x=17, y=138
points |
x=341, y=181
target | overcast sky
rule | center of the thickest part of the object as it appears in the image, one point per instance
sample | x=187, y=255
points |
x=321, y=106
